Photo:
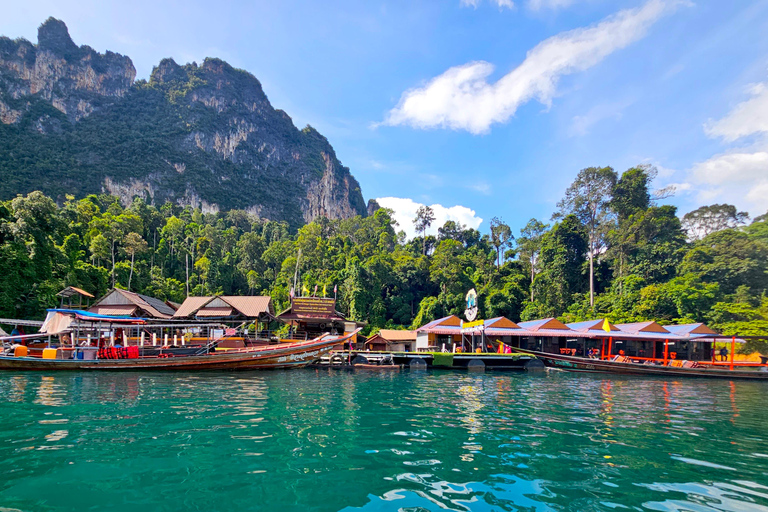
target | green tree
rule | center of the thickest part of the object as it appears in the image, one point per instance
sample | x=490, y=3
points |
x=706, y=220
x=589, y=198
x=425, y=216
x=529, y=247
x=134, y=244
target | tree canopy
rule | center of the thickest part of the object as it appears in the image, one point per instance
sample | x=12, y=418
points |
x=643, y=265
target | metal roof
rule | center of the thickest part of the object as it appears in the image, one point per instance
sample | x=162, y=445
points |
x=252, y=305
x=214, y=312
x=544, y=323
x=152, y=307
x=447, y=321
x=191, y=305
x=644, y=327
x=71, y=290
x=115, y=310
x=397, y=335
x=592, y=325
x=688, y=329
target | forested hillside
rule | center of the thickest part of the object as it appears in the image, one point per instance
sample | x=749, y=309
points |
x=647, y=264
x=73, y=121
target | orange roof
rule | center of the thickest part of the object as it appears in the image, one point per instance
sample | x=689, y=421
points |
x=191, y=305
x=251, y=306
x=214, y=312
x=397, y=335
x=68, y=292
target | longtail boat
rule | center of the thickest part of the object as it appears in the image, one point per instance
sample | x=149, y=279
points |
x=77, y=357
x=625, y=366
x=282, y=355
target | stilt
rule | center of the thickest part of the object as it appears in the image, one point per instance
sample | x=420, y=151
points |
x=733, y=350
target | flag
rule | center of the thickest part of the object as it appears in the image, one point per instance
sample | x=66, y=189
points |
x=315, y=295
x=305, y=291
x=323, y=290
x=334, y=289
x=292, y=292
x=606, y=326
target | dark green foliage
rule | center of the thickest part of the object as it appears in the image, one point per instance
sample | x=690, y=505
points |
x=171, y=135
x=647, y=271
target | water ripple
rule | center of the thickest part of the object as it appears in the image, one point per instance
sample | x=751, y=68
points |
x=329, y=440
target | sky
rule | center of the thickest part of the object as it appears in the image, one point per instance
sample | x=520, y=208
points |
x=481, y=108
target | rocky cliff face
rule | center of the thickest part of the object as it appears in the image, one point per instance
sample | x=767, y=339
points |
x=75, y=80
x=204, y=136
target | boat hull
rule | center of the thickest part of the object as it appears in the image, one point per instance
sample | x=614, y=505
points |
x=582, y=364
x=284, y=355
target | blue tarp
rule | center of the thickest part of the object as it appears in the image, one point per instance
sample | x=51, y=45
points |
x=96, y=316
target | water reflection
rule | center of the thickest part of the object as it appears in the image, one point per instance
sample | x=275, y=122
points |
x=330, y=440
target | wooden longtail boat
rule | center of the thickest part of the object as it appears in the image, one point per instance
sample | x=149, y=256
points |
x=584, y=364
x=282, y=355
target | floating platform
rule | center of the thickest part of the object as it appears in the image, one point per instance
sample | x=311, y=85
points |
x=436, y=360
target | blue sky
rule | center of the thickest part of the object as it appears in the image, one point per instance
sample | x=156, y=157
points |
x=482, y=108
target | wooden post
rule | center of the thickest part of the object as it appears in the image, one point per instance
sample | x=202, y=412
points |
x=602, y=350
x=610, y=347
x=175, y=340
x=141, y=342
x=733, y=350
x=666, y=351
x=165, y=339
x=154, y=339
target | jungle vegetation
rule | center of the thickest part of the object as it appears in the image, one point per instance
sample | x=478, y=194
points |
x=611, y=250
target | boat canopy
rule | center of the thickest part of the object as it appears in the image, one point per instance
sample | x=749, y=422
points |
x=60, y=320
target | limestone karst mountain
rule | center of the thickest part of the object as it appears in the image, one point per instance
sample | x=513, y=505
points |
x=74, y=121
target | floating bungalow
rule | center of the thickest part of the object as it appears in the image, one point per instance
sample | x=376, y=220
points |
x=392, y=340
x=309, y=317
x=228, y=309
x=119, y=302
x=641, y=341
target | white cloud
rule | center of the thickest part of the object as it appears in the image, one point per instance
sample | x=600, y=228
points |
x=405, y=212
x=740, y=178
x=463, y=99
x=747, y=118
x=500, y=3
x=538, y=5
x=739, y=175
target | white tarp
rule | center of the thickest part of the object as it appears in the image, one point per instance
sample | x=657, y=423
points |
x=56, y=323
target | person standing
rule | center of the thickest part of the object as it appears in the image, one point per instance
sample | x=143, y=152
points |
x=723, y=354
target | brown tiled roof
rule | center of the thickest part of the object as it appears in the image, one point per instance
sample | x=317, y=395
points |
x=397, y=335
x=250, y=306
x=114, y=310
x=190, y=306
x=150, y=306
x=214, y=312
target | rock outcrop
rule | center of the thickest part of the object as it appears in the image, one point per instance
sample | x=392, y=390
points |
x=75, y=80
x=205, y=136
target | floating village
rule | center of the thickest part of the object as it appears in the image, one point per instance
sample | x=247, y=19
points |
x=125, y=330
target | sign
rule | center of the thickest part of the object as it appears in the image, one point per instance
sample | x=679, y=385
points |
x=471, y=312
x=313, y=306
x=476, y=327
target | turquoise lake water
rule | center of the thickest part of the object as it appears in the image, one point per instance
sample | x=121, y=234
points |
x=333, y=440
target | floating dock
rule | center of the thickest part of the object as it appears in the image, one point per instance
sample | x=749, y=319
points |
x=436, y=360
